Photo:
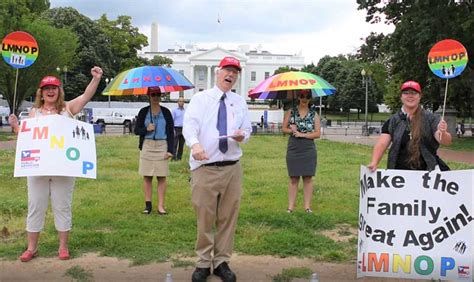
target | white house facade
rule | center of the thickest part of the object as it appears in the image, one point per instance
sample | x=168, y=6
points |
x=199, y=66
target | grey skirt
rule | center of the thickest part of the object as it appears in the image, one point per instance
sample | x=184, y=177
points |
x=153, y=161
x=301, y=157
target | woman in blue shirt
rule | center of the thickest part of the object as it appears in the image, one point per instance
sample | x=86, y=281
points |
x=156, y=129
x=302, y=123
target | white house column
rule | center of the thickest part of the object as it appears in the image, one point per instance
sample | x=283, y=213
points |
x=243, y=86
x=191, y=79
x=191, y=74
x=209, y=77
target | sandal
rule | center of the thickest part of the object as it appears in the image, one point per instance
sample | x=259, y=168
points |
x=308, y=210
x=289, y=210
x=28, y=255
x=162, y=213
x=63, y=254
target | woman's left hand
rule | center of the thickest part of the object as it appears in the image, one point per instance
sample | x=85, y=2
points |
x=168, y=156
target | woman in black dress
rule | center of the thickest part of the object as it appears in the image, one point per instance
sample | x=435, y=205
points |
x=303, y=125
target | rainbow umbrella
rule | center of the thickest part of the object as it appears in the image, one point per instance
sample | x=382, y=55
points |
x=136, y=81
x=281, y=86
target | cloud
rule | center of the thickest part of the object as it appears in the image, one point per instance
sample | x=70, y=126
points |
x=316, y=28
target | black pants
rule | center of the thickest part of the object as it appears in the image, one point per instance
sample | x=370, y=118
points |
x=178, y=143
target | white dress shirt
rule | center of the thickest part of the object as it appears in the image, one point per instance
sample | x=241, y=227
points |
x=200, y=125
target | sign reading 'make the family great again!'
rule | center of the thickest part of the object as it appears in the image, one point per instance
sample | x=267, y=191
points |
x=416, y=224
x=55, y=145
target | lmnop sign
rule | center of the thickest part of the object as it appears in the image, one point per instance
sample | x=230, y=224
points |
x=19, y=49
x=447, y=58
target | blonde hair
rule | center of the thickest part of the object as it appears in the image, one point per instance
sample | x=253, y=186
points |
x=59, y=105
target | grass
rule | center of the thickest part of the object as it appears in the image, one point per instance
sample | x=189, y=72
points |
x=461, y=144
x=108, y=219
x=7, y=136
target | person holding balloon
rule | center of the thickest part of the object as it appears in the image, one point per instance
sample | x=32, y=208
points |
x=414, y=134
x=50, y=101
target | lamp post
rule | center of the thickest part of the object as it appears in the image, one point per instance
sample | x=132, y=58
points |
x=107, y=80
x=365, y=79
x=64, y=71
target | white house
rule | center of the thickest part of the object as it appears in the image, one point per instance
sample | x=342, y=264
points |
x=199, y=65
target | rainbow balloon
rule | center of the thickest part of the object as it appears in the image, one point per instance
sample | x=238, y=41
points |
x=447, y=58
x=19, y=49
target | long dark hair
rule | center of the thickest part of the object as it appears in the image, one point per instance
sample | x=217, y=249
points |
x=414, y=161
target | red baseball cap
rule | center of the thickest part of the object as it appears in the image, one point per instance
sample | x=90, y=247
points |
x=50, y=80
x=230, y=61
x=411, y=85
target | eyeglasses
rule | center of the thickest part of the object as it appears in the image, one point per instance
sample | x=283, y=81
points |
x=305, y=97
x=410, y=92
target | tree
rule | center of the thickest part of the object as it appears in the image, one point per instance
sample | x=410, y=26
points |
x=419, y=24
x=160, y=61
x=373, y=50
x=94, y=49
x=284, y=69
x=125, y=41
x=56, y=47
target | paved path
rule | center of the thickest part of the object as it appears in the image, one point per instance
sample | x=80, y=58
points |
x=445, y=154
x=7, y=144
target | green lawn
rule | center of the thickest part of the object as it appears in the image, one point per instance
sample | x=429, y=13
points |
x=461, y=144
x=108, y=219
x=7, y=136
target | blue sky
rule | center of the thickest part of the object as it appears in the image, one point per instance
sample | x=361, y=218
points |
x=313, y=27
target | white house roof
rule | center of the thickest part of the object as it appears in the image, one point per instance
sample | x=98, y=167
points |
x=216, y=52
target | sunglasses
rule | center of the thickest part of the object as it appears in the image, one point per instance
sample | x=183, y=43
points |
x=410, y=92
x=305, y=97
x=155, y=94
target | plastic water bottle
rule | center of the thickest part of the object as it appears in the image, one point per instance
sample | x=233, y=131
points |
x=314, y=277
x=168, y=277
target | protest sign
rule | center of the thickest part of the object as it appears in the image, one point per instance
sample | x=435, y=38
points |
x=55, y=145
x=19, y=49
x=416, y=224
x=447, y=58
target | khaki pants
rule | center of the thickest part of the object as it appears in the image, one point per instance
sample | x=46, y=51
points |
x=216, y=193
x=40, y=189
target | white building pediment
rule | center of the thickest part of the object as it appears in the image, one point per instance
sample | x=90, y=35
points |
x=214, y=55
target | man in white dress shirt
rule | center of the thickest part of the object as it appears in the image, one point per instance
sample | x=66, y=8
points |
x=216, y=173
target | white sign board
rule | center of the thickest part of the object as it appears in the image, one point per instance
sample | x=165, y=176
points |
x=416, y=224
x=55, y=145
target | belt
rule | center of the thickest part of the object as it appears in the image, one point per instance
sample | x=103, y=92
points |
x=223, y=163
